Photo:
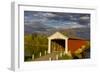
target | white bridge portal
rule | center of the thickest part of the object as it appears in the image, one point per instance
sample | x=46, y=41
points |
x=57, y=36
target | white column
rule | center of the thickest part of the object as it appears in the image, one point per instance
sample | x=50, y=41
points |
x=66, y=46
x=45, y=52
x=33, y=57
x=50, y=58
x=57, y=57
x=40, y=53
x=49, y=45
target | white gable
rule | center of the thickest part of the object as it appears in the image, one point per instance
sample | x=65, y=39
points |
x=57, y=35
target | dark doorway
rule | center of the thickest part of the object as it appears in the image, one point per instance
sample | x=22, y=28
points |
x=57, y=45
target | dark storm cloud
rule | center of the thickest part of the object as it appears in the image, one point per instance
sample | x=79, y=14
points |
x=56, y=19
x=84, y=20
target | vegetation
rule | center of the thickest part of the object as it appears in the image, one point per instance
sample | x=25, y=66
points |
x=34, y=44
x=64, y=57
x=81, y=52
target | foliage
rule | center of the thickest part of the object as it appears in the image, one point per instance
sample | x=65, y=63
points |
x=64, y=57
x=81, y=52
x=34, y=44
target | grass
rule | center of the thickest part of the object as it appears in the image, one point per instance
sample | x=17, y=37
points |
x=64, y=57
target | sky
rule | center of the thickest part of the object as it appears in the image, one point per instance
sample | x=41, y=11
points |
x=57, y=19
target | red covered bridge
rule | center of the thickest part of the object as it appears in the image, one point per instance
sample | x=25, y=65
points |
x=65, y=43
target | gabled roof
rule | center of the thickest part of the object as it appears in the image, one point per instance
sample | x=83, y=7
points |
x=57, y=35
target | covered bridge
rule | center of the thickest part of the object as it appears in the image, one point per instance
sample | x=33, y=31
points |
x=65, y=43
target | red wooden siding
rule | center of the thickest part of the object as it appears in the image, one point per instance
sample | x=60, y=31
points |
x=74, y=44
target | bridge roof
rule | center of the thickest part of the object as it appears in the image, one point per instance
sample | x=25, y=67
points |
x=57, y=35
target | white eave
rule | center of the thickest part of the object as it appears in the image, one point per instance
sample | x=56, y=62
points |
x=57, y=35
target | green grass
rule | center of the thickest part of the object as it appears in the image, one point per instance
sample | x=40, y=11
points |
x=64, y=57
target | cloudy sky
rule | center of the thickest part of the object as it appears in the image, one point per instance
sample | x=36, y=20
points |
x=56, y=19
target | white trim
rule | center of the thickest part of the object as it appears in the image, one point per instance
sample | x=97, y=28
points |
x=68, y=5
x=14, y=34
x=49, y=46
x=66, y=46
x=57, y=35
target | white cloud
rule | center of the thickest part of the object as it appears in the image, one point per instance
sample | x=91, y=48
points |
x=85, y=17
x=26, y=17
x=49, y=14
x=41, y=14
x=71, y=23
